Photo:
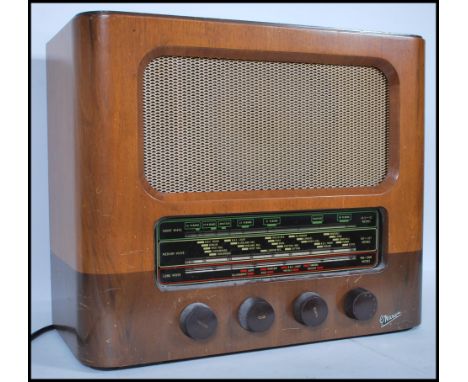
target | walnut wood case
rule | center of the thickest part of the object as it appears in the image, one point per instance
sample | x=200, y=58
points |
x=102, y=211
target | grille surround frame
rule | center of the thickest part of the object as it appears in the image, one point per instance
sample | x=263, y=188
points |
x=384, y=69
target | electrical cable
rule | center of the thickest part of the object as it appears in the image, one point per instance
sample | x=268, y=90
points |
x=40, y=331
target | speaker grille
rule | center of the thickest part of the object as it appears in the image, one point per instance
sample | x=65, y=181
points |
x=231, y=125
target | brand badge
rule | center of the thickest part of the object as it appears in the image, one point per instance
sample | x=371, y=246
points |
x=386, y=319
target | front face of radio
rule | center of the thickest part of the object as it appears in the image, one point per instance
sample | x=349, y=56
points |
x=217, y=187
x=229, y=249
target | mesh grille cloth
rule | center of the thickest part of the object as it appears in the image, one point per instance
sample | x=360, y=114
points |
x=230, y=125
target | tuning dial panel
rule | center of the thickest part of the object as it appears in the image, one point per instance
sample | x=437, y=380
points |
x=196, y=250
x=360, y=304
x=198, y=321
x=256, y=314
x=310, y=309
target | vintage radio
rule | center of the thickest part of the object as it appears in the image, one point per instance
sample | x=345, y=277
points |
x=219, y=186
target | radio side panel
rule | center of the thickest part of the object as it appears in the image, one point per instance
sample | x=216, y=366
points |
x=64, y=191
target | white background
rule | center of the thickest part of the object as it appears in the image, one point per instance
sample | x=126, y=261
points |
x=47, y=19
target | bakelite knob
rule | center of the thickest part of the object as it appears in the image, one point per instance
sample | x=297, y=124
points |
x=256, y=314
x=310, y=309
x=360, y=304
x=198, y=321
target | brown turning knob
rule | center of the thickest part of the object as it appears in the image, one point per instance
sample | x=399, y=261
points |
x=198, y=321
x=256, y=314
x=360, y=304
x=310, y=309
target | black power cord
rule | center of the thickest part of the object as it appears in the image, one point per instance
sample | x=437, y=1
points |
x=40, y=331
